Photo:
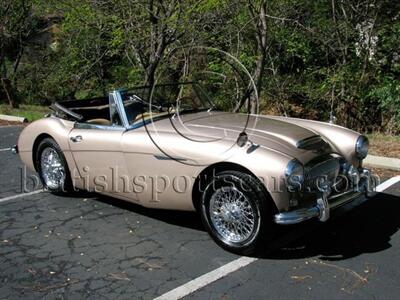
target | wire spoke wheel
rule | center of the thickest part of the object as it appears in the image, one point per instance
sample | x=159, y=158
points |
x=52, y=169
x=233, y=215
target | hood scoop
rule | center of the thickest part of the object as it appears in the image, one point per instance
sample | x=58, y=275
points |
x=311, y=143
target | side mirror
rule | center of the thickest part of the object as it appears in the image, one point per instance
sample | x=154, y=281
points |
x=242, y=139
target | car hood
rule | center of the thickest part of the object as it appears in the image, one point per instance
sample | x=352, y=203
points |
x=275, y=134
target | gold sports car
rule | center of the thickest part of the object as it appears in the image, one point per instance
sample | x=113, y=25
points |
x=169, y=147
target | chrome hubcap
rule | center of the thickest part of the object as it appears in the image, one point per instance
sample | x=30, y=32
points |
x=232, y=215
x=53, y=171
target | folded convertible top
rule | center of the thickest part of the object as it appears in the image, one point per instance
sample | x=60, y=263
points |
x=79, y=110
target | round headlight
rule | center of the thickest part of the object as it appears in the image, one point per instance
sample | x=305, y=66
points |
x=362, y=145
x=294, y=174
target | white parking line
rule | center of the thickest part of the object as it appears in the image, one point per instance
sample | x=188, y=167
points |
x=20, y=195
x=384, y=185
x=206, y=279
x=233, y=266
x=5, y=149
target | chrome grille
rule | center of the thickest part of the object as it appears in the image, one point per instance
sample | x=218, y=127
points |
x=321, y=173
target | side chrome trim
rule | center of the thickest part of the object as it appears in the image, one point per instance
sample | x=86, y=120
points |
x=164, y=157
x=99, y=127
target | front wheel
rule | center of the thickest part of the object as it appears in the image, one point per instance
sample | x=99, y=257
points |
x=52, y=167
x=237, y=212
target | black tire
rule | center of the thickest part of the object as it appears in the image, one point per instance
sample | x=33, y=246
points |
x=259, y=201
x=66, y=186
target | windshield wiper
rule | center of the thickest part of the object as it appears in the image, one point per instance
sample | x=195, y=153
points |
x=138, y=99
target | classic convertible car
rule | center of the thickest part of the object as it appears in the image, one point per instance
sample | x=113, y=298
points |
x=169, y=147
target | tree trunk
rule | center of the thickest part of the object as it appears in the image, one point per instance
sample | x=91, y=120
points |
x=260, y=26
x=257, y=77
x=8, y=90
x=154, y=61
x=150, y=75
x=249, y=98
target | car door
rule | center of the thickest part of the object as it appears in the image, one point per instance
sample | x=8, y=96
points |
x=159, y=180
x=97, y=151
x=98, y=156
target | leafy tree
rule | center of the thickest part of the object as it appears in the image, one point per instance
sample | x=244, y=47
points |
x=308, y=59
x=150, y=27
x=89, y=47
x=16, y=28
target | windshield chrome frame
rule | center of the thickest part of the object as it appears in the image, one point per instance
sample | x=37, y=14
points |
x=116, y=96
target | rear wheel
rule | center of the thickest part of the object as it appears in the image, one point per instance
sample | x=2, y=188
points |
x=237, y=212
x=52, y=167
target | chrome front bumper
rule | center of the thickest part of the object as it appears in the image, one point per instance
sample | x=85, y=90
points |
x=324, y=205
x=320, y=210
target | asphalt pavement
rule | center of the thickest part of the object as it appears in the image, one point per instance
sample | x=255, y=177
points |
x=90, y=246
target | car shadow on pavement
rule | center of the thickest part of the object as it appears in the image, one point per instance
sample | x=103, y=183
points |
x=367, y=228
x=186, y=219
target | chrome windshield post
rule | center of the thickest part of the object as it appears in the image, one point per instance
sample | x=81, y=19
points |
x=116, y=98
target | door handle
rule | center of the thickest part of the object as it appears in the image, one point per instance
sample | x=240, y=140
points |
x=76, y=139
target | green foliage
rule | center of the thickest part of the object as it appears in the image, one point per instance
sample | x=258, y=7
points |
x=388, y=96
x=30, y=112
x=320, y=55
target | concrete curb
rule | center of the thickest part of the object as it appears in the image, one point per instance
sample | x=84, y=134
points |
x=383, y=162
x=13, y=118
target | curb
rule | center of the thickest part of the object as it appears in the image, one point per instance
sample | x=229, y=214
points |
x=13, y=119
x=383, y=162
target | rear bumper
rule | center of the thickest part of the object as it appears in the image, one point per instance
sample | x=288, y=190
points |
x=14, y=149
x=324, y=204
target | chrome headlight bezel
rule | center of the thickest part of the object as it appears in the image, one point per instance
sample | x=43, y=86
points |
x=294, y=174
x=362, y=146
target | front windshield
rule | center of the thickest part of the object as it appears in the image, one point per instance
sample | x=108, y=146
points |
x=144, y=103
